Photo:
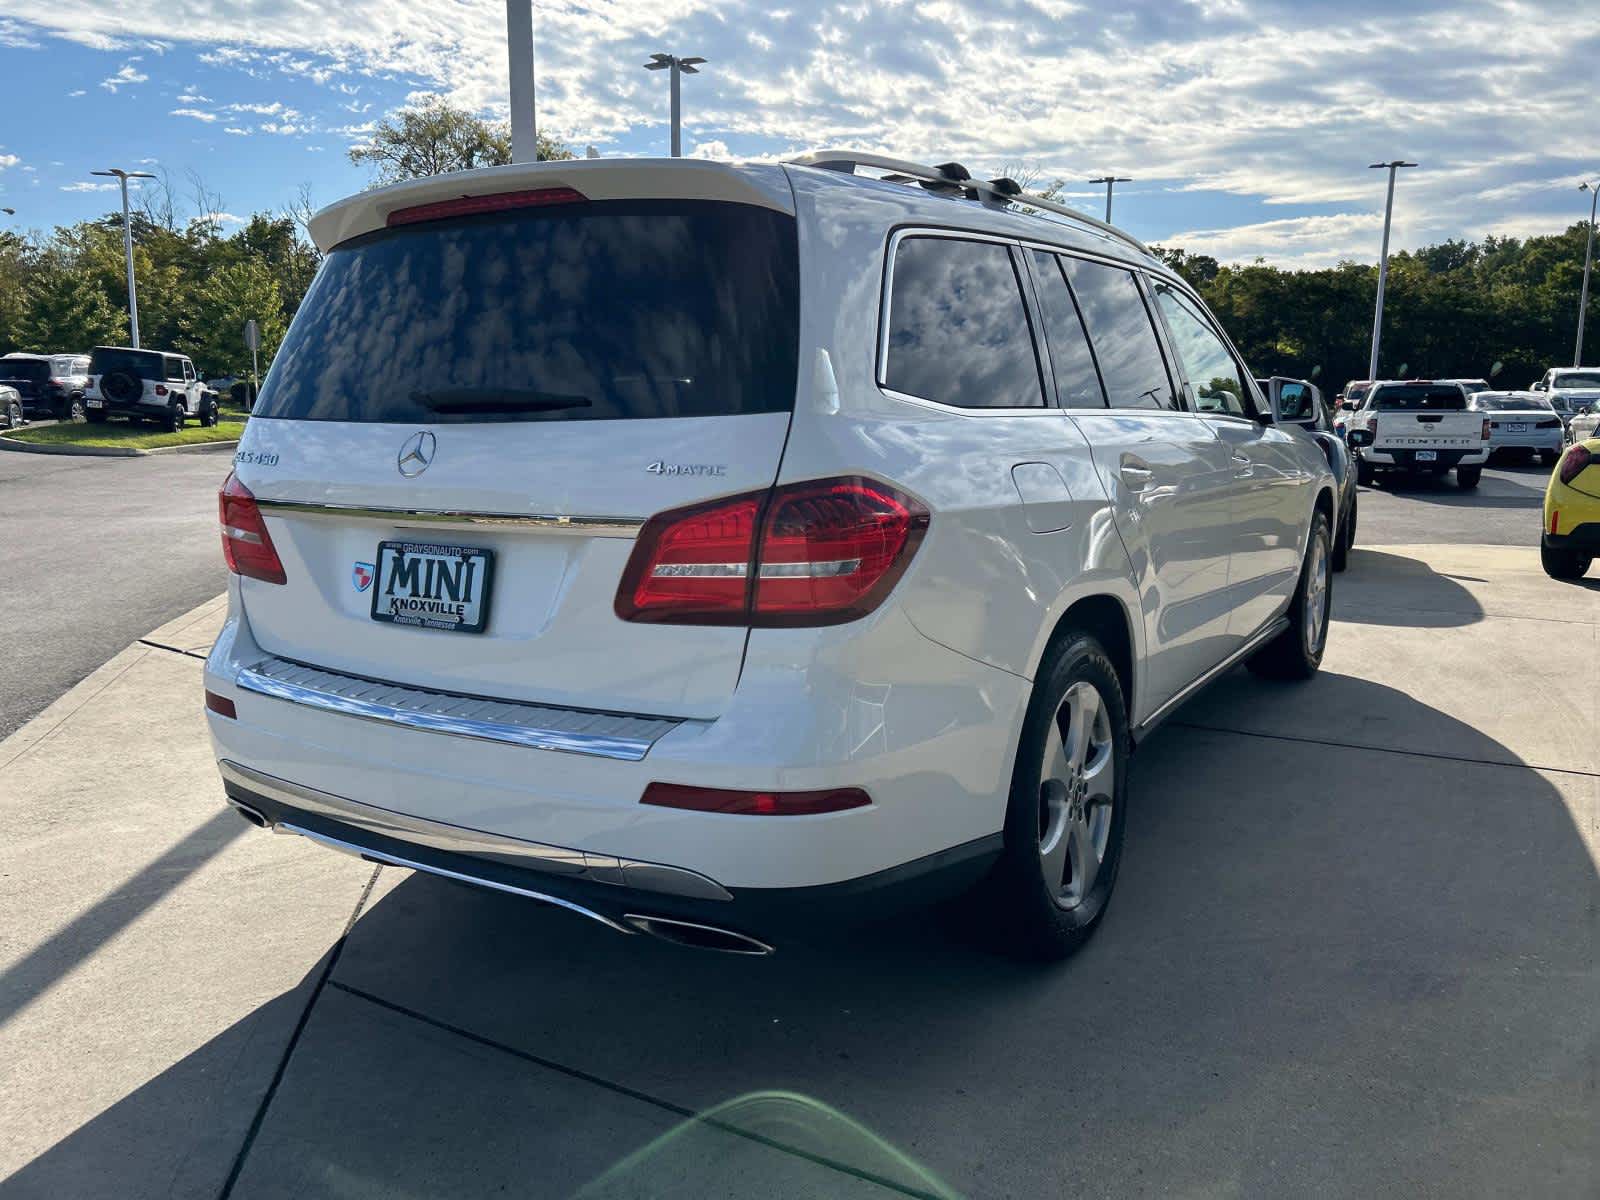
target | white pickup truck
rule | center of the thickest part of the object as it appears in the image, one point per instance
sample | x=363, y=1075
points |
x=1417, y=427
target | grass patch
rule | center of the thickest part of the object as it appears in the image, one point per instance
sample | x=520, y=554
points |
x=132, y=436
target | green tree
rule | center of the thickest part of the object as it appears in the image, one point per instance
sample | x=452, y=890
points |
x=434, y=137
x=213, y=332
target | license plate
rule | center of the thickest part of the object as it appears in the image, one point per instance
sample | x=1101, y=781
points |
x=1517, y=427
x=433, y=586
x=1427, y=456
x=94, y=403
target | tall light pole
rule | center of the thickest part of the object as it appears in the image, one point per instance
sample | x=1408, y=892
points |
x=1110, y=181
x=127, y=244
x=678, y=66
x=1588, y=260
x=519, y=46
x=1383, y=261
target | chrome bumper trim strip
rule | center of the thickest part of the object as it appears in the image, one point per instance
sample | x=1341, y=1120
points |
x=540, y=727
x=509, y=851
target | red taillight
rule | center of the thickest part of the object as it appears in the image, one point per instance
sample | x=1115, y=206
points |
x=464, y=206
x=1573, y=463
x=161, y=389
x=221, y=705
x=246, y=544
x=754, y=804
x=1486, y=429
x=829, y=551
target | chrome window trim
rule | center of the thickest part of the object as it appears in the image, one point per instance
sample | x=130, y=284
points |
x=458, y=839
x=261, y=680
x=588, y=526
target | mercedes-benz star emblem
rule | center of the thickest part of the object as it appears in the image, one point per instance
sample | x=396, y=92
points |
x=416, y=453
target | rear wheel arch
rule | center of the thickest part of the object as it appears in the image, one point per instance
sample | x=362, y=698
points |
x=1104, y=618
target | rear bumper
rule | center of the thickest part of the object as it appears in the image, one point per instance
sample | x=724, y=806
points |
x=1583, y=538
x=1543, y=439
x=929, y=734
x=601, y=891
x=1406, y=460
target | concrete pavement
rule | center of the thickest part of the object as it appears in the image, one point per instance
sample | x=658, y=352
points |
x=1353, y=951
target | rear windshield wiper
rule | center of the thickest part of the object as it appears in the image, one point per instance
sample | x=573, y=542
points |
x=497, y=400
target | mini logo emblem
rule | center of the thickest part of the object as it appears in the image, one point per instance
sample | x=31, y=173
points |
x=416, y=453
x=362, y=575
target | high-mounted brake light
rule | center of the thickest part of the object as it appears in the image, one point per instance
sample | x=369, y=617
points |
x=754, y=804
x=464, y=206
x=815, y=553
x=1574, y=463
x=246, y=544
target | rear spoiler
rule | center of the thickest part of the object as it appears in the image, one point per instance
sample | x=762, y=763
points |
x=762, y=184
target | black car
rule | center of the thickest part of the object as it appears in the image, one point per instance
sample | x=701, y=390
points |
x=50, y=385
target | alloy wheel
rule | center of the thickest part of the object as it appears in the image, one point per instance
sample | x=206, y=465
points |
x=1077, y=785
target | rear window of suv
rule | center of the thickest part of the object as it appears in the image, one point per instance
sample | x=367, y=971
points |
x=1424, y=397
x=590, y=311
x=146, y=364
x=32, y=369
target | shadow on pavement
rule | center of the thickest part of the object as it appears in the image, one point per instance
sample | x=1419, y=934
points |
x=1326, y=970
x=52, y=960
x=1400, y=590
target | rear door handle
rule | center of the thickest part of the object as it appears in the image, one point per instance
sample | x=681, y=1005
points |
x=1136, y=475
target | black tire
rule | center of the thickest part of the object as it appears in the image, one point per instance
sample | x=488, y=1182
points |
x=1024, y=915
x=1364, y=473
x=1346, y=540
x=174, y=419
x=97, y=416
x=1548, y=458
x=1296, y=653
x=1563, y=563
x=1467, y=477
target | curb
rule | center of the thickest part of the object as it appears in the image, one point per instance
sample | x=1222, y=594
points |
x=7, y=443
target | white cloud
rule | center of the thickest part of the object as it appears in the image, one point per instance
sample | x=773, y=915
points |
x=9, y=160
x=85, y=185
x=190, y=96
x=223, y=218
x=127, y=74
x=236, y=131
x=712, y=149
x=285, y=128
x=13, y=36
x=76, y=92
x=196, y=113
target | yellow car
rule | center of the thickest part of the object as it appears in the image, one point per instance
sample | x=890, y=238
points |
x=1571, y=536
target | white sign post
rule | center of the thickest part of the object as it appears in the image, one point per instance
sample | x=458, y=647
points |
x=252, y=341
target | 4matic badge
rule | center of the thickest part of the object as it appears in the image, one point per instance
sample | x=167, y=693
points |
x=665, y=468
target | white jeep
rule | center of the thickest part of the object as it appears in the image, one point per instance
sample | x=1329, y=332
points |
x=150, y=384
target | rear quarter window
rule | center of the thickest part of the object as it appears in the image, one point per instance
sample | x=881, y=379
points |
x=958, y=328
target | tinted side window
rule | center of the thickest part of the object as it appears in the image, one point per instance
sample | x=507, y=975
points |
x=958, y=328
x=174, y=368
x=1125, y=344
x=1212, y=371
x=1077, y=381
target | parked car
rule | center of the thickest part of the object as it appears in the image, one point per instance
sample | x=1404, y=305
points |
x=51, y=385
x=1570, y=536
x=146, y=384
x=1569, y=389
x=1417, y=427
x=825, y=549
x=1521, y=423
x=1299, y=401
x=1585, y=423
x=11, y=414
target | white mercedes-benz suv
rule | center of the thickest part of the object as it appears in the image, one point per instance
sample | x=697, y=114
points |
x=717, y=549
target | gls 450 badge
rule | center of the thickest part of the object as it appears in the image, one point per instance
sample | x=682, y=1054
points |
x=665, y=468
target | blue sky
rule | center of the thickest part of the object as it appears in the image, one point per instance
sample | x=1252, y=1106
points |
x=1247, y=124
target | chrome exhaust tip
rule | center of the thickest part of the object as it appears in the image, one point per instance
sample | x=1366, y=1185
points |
x=700, y=937
x=254, y=815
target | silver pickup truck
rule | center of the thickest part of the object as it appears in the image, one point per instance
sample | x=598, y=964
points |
x=1417, y=427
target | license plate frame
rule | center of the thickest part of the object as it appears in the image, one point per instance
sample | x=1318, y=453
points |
x=1427, y=456
x=1516, y=427
x=433, y=611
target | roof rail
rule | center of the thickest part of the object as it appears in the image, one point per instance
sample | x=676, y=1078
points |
x=951, y=179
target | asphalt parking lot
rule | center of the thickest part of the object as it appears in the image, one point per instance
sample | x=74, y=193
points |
x=1353, y=952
